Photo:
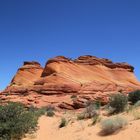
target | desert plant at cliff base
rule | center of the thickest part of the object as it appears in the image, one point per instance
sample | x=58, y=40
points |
x=50, y=111
x=37, y=111
x=110, y=126
x=93, y=105
x=95, y=120
x=63, y=123
x=134, y=96
x=117, y=103
x=16, y=121
x=46, y=110
x=91, y=111
x=137, y=104
x=73, y=97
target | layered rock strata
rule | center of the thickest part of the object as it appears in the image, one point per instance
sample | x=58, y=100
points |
x=86, y=78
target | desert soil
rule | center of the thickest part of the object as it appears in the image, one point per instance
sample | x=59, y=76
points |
x=82, y=130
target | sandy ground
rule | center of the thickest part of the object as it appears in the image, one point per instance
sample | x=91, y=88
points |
x=80, y=130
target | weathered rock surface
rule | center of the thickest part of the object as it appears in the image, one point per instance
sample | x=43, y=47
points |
x=87, y=77
x=27, y=74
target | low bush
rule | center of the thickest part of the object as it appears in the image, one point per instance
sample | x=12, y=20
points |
x=134, y=96
x=63, y=123
x=73, y=96
x=93, y=105
x=37, y=111
x=130, y=108
x=133, y=108
x=110, y=126
x=90, y=111
x=117, y=103
x=81, y=116
x=15, y=121
x=137, y=104
x=95, y=120
x=50, y=111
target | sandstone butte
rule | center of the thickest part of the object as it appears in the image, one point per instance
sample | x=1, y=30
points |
x=87, y=78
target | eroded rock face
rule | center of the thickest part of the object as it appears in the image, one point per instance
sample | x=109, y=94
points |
x=87, y=78
x=92, y=60
x=27, y=74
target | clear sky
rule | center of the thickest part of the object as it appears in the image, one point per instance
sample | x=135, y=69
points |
x=40, y=29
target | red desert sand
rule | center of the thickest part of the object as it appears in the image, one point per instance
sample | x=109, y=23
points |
x=80, y=130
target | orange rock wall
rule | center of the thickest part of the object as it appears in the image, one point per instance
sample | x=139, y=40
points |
x=87, y=77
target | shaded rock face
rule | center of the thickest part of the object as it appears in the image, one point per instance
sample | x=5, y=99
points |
x=87, y=78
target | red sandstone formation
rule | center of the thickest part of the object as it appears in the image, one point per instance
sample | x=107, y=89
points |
x=27, y=74
x=87, y=77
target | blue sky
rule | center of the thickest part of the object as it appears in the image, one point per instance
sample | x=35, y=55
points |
x=40, y=29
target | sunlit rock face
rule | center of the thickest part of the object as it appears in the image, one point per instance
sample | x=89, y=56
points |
x=87, y=77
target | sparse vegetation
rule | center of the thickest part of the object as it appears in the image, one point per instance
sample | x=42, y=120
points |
x=110, y=126
x=134, y=96
x=74, y=99
x=50, y=111
x=81, y=116
x=96, y=119
x=129, y=108
x=73, y=96
x=136, y=114
x=94, y=104
x=37, y=111
x=90, y=111
x=117, y=103
x=15, y=121
x=63, y=123
x=137, y=104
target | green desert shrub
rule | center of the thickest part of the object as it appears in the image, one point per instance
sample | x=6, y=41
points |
x=117, y=103
x=137, y=104
x=16, y=121
x=110, y=126
x=93, y=105
x=47, y=110
x=92, y=110
x=134, y=96
x=95, y=120
x=73, y=96
x=37, y=111
x=81, y=116
x=50, y=111
x=63, y=123
x=134, y=107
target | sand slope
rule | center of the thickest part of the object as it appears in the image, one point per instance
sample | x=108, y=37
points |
x=80, y=130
